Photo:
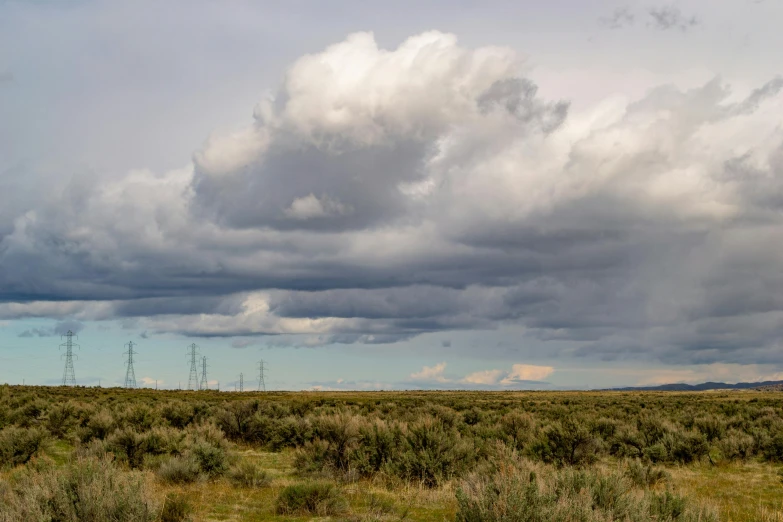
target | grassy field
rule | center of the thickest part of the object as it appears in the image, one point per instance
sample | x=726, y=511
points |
x=114, y=454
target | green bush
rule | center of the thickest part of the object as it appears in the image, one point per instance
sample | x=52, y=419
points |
x=379, y=446
x=645, y=476
x=772, y=446
x=19, y=445
x=128, y=445
x=60, y=419
x=212, y=460
x=312, y=457
x=179, y=470
x=736, y=445
x=569, y=443
x=433, y=454
x=85, y=491
x=522, y=493
x=314, y=498
x=248, y=475
x=99, y=426
x=176, y=508
x=518, y=428
x=342, y=435
x=178, y=414
x=236, y=420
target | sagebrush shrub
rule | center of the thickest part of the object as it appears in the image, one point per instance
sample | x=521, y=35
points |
x=176, y=508
x=99, y=426
x=433, y=454
x=314, y=498
x=645, y=476
x=235, y=419
x=312, y=457
x=128, y=445
x=178, y=414
x=84, y=491
x=248, y=475
x=179, y=470
x=567, y=443
x=60, y=419
x=379, y=446
x=19, y=445
x=518, y=427
x=212, y=460
x=521, y=492
x=736, y=445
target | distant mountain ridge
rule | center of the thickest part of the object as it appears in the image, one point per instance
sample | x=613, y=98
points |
x=703, y=386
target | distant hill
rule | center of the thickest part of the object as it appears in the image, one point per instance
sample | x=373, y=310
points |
x=706, y=386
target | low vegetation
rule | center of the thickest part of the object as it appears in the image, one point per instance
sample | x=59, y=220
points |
x=111, y=454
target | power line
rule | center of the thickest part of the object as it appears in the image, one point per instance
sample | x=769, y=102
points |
x=261, y=371
x=203, y=385
x=69, y=379
x=193, y=378
x=130, y=374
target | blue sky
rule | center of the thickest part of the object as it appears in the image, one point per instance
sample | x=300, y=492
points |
x=489, y=195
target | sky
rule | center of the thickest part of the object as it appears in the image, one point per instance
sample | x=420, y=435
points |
x=405, y=195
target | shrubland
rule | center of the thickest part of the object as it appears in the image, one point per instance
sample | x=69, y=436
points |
x=85, y=453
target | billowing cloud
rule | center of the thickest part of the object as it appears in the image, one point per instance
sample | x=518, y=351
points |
x=431, y=373
x=381, y=194
x=520, y=375
x=527, y=372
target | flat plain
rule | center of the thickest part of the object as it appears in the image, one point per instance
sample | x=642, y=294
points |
x=75, y=453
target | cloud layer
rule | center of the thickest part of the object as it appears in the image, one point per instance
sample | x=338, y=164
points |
x=381, y=194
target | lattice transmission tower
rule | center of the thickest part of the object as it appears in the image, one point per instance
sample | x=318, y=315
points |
x=193, y=378
x=130, y=374
x=261, y=375
x=203, y=385
x=241, y=382
x=69, y=379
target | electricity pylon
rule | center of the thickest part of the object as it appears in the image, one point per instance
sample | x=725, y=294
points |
x=241, y=382
x=203, y=384
x=193, y=378
x=130, y=374
x=261, y=371
x=68, y=376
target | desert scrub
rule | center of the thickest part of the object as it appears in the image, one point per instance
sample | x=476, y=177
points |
x=19, y=445
x=526, y=492
x=176, y=508
x=313, y=498
x=179, y=470
x=433, y=454
x=61, y=418
x=84, y=491
x=566, y=443
x=212, y=460
x=645, y=476
x=248, y=475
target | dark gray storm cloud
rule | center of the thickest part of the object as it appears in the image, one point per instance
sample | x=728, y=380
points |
x=385, y=194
